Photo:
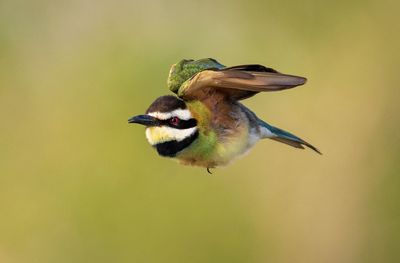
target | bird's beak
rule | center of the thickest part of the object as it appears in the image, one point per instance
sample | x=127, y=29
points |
x=146, y=120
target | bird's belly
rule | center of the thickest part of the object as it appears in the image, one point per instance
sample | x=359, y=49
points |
x=222, y=152
x=236, y=147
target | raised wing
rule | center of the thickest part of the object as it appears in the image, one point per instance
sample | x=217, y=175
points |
x=238, y=82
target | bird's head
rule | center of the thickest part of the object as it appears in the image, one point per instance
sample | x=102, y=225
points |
x=170, y=126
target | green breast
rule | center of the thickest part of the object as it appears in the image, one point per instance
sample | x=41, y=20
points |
x=202, y=151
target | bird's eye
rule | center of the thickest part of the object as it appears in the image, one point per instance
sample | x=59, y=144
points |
x=174, y=121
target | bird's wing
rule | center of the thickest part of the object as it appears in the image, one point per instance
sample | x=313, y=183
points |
x=238, y=82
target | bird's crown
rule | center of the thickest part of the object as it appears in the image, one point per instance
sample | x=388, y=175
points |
x=165, y=104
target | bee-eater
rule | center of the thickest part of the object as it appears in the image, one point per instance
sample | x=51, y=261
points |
x=205, y=124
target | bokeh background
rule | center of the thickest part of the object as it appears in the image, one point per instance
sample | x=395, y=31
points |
x=78, y=184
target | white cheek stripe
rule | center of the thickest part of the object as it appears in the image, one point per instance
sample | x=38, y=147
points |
x=165, y=134
x=181, y=114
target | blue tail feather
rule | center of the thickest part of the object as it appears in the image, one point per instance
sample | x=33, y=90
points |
x=287, y=137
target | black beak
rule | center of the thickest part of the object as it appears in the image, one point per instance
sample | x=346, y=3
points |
x=146, y=120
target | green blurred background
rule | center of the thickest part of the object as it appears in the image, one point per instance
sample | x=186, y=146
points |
x=78, y=184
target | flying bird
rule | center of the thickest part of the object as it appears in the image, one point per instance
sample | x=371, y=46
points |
x=205, y=124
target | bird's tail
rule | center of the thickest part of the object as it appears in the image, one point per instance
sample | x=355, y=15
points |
x=274, y=133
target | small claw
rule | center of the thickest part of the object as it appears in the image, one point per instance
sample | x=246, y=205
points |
x=208, y=170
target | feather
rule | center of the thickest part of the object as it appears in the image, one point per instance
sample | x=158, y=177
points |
x=283, y=136
x=238, y=84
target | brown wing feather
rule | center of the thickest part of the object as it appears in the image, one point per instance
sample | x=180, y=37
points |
x=239, y=84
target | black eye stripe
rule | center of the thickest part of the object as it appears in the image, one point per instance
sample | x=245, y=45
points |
x=183, y=124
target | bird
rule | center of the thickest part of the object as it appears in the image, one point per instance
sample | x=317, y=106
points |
x=205, y=124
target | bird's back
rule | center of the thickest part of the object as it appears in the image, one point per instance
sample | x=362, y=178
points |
x=186, y=69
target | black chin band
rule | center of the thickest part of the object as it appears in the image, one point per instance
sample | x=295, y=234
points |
x=171, y=148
